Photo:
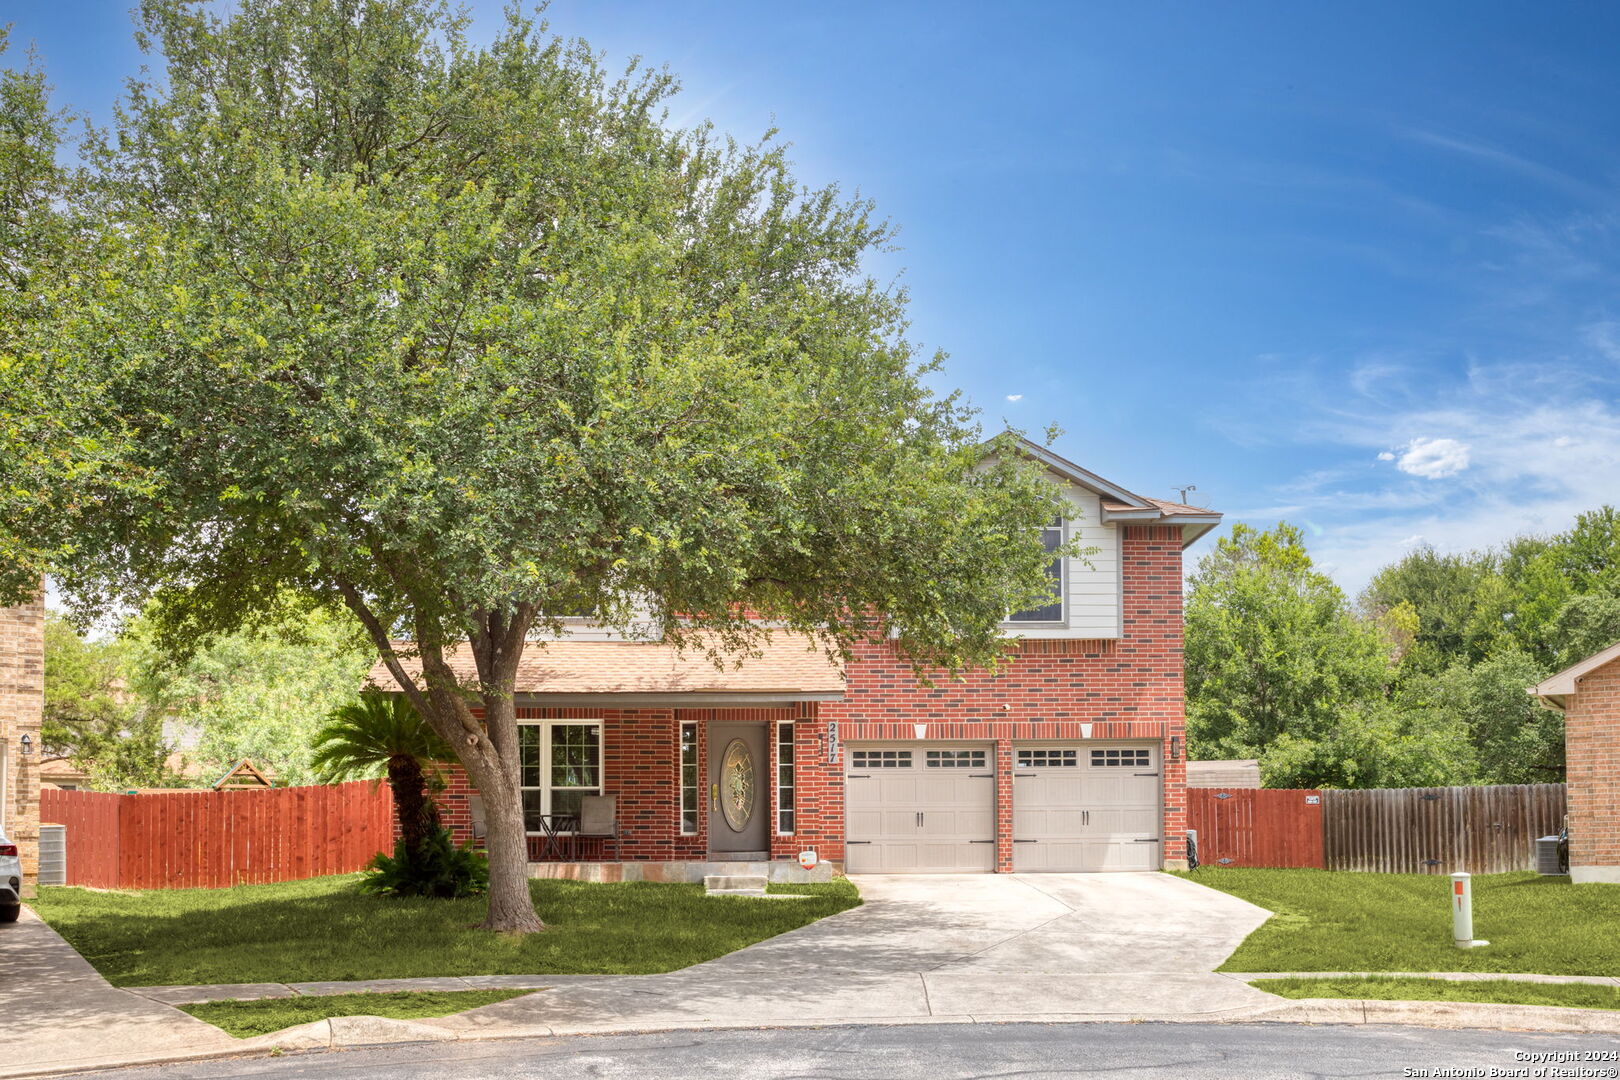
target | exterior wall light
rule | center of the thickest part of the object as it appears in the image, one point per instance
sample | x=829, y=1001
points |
x=1175, y=748
x=27, y=745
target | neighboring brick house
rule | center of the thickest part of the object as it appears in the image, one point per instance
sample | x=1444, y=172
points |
x=22, y=707
x=1588, y=694
x=1072, y=758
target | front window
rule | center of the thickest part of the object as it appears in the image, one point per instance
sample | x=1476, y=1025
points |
x=559, y=761
x=1052, y=538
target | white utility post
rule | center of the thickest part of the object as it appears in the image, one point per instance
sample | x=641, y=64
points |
x=1462, y=911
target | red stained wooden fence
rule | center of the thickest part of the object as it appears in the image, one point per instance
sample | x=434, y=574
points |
x=91, y=818
x=212, y=839
x=1257, y=827
x=1484, y=830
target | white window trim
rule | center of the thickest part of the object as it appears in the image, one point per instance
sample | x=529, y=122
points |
x=680, y=777
x=545, y=760
x=1062, y=621
x=776, y=793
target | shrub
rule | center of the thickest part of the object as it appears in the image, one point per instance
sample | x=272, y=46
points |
x=437, y=868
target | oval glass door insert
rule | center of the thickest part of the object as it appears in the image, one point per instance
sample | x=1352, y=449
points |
x=737, y=785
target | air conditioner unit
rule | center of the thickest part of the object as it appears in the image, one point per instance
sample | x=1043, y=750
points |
x=1550, y=856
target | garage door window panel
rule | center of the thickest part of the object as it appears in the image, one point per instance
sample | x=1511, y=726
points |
x=1048, y=759
x=1122, y=758
x=956, y=759
x=881, y=759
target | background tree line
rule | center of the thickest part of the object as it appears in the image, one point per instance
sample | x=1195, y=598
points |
x=1418, y=681
x=131, y=714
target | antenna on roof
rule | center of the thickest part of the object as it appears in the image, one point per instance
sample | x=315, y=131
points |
x=1184, y=489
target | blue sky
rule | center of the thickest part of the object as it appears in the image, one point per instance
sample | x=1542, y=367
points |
x=1353, y=266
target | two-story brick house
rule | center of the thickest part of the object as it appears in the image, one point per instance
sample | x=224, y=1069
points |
x=1070, y=759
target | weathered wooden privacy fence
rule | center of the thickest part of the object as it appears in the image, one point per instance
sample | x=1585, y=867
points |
x=1484, y=830
x=211, y=839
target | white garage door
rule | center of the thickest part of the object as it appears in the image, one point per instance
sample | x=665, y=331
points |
x=919, y=809
x=1083, y=808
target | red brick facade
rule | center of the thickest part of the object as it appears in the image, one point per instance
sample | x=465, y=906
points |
x=1592, y=754
x=1126, y=689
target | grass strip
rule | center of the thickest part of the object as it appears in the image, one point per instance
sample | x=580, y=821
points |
x=1339, y=921
x=1495, y=991
x=326, y=930
x=247, y=1018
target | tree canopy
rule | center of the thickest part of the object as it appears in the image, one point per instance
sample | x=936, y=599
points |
x=1279, y=668
x=93, y=719
x=1422, y=683
x=463, y=339
x=261, y=691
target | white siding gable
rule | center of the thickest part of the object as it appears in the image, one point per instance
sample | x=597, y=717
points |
x=1091, y=589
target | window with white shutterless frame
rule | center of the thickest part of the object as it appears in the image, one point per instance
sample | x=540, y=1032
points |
x=1054, y=611
x=689, y=779
x=786, y=814
x=559, y=762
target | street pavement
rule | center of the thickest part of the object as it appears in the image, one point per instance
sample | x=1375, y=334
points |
x=933, y=1052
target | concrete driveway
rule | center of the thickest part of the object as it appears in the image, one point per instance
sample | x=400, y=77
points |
x=940, y=947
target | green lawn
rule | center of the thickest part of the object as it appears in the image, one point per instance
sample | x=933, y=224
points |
x=324, y=929
x=246, y=1018
x=1327, y=921
x=1500, y=991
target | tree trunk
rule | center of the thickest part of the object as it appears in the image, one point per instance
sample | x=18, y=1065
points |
x=418, y=816
x=487, y=750
x=511, y=905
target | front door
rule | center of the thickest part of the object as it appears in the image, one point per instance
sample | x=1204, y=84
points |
x=739, y=789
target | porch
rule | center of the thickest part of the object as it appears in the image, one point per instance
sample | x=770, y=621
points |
x=680, y=870
x=638, y=763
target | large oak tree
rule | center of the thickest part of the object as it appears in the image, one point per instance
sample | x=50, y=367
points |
x=463, y=339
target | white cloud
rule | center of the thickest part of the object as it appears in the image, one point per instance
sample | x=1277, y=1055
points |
x=1434, y=459
x=1015, y=397
x=1525, y=452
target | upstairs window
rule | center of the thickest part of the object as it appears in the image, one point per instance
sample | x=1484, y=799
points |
x=1052, y=538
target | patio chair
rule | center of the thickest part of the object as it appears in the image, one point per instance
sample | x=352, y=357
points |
x=599, y=819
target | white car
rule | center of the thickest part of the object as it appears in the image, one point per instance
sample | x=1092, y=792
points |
x=10, y=881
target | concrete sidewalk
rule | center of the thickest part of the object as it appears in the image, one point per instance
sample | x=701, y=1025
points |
x=56, y=1011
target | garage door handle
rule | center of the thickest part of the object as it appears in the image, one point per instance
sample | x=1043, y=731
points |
x=981, y=841
x=848, y=843
x=981, y=776
x=1145, y=774
x=1026, y=841
x=1155, y=840
x=860, y=776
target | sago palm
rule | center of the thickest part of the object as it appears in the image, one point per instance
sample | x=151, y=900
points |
x=382, y=732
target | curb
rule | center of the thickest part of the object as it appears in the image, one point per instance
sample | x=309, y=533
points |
x=347, y=1032
x=1447, y=976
